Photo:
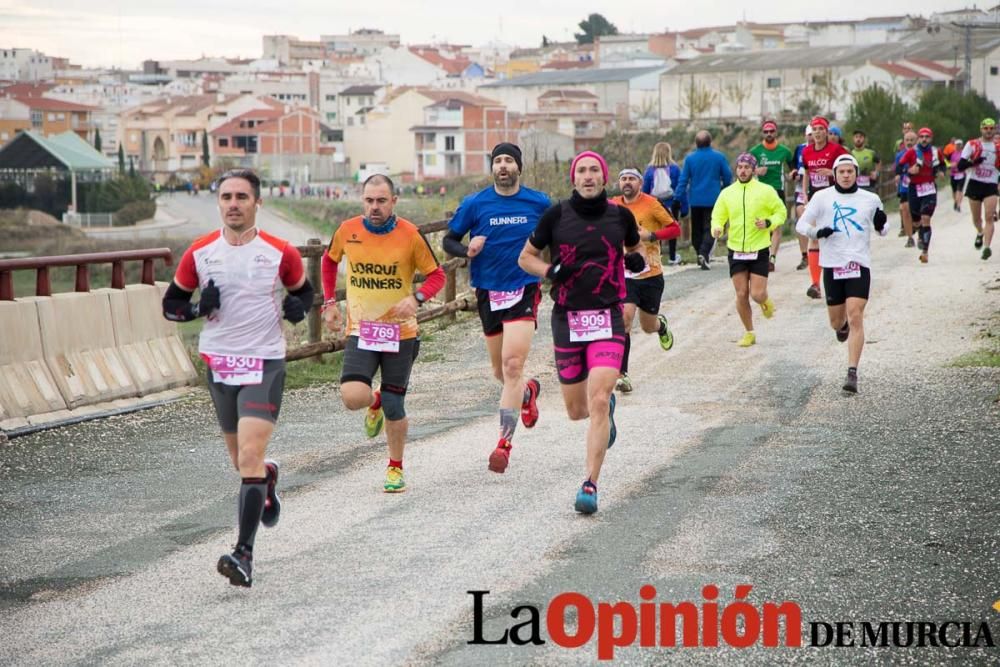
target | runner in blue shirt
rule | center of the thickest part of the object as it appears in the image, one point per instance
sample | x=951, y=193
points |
x=499, y=220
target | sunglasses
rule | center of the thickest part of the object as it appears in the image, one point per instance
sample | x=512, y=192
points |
x=924, y=136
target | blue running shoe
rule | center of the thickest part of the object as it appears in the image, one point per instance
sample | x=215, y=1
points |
x=613, y=434
x=586, y=498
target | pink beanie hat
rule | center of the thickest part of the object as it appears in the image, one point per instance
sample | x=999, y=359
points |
x=600, y=160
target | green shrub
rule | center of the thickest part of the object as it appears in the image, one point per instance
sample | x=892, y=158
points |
x=133, y=212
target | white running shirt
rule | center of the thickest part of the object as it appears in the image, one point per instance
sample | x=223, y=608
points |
x=851, y=216
x=985, y=172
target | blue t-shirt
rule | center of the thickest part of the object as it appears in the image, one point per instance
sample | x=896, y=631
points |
x=506, y=222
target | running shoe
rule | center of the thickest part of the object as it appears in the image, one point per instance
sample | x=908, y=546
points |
x=767, y=308
x=666, y=338
x=237, y=567
x=804, y=264
x=910, y=243
x=902, y=232
x=749, y=338
x=500, y=456
x=703, y=263
x=675, y=261
x=394, y=482
x=843, y=332
x=586, y=498
x=923, y=258
x=612, y=430
x=851, y=383
x=529, y=408
x=813, y=292
x=987, y=253
x=770, y=264
x=375, y=419
x=979, y=241
x=272, y=503
x=624, y=384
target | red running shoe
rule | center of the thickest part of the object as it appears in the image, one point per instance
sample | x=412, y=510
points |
x=500, y=456
x=529, y=408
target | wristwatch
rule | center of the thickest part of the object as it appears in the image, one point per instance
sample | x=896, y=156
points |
x=419, y=296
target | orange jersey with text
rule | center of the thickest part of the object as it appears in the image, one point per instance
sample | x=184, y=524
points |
x=651, y=216
x=380, y=269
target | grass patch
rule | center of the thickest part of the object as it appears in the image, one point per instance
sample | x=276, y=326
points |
x=989, y=355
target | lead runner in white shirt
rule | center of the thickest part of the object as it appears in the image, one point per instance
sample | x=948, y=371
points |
x=842, y=218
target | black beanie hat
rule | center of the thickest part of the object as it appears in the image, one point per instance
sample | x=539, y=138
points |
x=506, y=148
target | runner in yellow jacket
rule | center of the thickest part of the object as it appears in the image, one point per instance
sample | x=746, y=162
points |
x=752, y=210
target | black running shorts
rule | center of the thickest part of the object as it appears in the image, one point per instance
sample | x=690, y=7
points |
x=360, y=365
x=645, y=293
x=755, y=266
x=978, y=191
x=524, y=310
x=921, y=206
x=838, y=291
x=232, y=402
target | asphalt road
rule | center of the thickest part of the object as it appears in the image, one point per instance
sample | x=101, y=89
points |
x=732, y=467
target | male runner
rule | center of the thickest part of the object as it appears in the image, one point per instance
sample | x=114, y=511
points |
x=240, y=271
x=903, y=189
x=752, y=210
x=868, y=162
x=771, y=159
x=644, y=289
x=842, y=219
x=981, y=159
x=498, y=220
x=957, y=176
x=817, y=160
x=383, y=253
x=922, y=162
x=588, y=237
x=800, y=196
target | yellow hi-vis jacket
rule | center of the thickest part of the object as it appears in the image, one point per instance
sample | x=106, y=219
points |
x=741, y=205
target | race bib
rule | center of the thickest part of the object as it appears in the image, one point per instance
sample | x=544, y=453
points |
x=500, y=300
x=800, y=197
x=852, y=270
x=588, y=325
x=818, y=180
x=233, y=370
x=924, y=189
x=984, y=172
x=745, y=256
x=378, y=336
x=864, y=181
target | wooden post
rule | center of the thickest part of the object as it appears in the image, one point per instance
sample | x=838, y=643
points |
x=147, y=272
x=315, y=277
x=450, y=291
x=82, y=278
x=6, y=285
x=43, y=287
x=118, y=274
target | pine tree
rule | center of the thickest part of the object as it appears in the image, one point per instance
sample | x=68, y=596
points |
x=97, y=139
x=121, y=160
x=204, y=148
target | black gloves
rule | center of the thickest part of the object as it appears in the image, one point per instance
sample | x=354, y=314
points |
x=298, y=302
x=979, y=160
x=555, y=274
x=823, y=233
x=635, y=262
x=879, y=220
x=209, y=300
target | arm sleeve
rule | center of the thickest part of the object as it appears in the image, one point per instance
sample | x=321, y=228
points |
x=542, y=236
x=187, y=274
x=452, y=244
x=631, y=227
x=647, y=180
x=290, y=270
x=177, y=304
x=669, y=229
x=329, y=271
x=435, y=281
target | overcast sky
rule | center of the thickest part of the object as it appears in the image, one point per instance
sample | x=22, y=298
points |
x=123, y=34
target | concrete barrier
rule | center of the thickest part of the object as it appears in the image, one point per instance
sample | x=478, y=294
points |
x=78, y=342
x=27, y=387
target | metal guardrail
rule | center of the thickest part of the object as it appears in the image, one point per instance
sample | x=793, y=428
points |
x=89, y=219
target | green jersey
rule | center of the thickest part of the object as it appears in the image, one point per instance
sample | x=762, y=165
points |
x=773, y=159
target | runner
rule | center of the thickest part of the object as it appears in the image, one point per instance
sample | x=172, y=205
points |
x=800, y=196
x=903, y=189
x=586, y=235
x=868, y=161
x=644, y=289
x=906, y=129
x=771, y=158
x=239, y=269
x=957, y=175
x=383, y=253
x=984, y=156
x=752, y=210
x=922, y=162
x=842, y=219
x=498, y=220
x=817, y=161
x=661, y=164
